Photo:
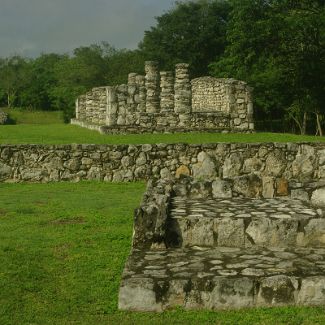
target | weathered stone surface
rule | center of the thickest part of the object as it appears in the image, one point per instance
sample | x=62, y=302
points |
x=138, y=295
x=276, y=291
x=143, y=161
x=230, y=232
x=321, y=155
x=299, y=194
x=221, y=189
x=275, y=163
x=282, y=187
x=5, y=171
x=182, y=170
x=273, y=232
x=248, y=185
x=160, y=102
x=268, y=187
x=3, y=117
x=205, y=167
x=232, y=165
x=318, y=197
x=314, y=234
x=219, y=278
x=165, y=173
x=238, y=293
x=243, y=222
x=252, y=165
x=303, y=166
x=312, y=291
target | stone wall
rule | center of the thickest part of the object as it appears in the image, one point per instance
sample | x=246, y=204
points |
x=3, y=117
x=275, y=168
x=161, y=102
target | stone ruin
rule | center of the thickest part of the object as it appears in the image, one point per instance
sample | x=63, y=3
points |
x=162, y=102
x=221, y=225
x=232, y=241
x=3, y=117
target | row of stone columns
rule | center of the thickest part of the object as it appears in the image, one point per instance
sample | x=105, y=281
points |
x=155, y=92
x=163, y=92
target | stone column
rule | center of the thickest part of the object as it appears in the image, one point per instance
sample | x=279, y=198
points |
x=89, y=106
x=77, y=108
x=183, y=93
x=141, y=98
x=81, y=107
x=112, y=106
x=152, y=86
x=131, y=99
x=167, y=91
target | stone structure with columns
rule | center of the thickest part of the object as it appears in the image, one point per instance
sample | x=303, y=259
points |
x=163, y=101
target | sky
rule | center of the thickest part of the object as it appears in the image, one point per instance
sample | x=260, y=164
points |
x=32, y=27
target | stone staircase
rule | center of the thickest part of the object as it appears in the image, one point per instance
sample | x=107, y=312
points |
x=216, y=253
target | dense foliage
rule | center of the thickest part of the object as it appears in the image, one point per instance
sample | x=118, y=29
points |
x=53, y=81
x=277, y=46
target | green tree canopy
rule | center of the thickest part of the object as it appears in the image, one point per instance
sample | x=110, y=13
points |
x=192, y=32
x=278, y=47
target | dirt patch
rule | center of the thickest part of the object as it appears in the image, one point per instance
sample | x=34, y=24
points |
x=68, y=221
x=61, y=251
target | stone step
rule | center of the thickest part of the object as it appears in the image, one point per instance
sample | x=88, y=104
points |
x=242, y=222
x=222, y=277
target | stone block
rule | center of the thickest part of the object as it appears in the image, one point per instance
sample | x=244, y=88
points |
x=205, y=168
x=299, y=194
x=232, y=165
x=182, y=170
x=277, y=290
x=282, y=188
x=138, y=295
x=268, y=187
x=275, y=163
x=250, y=186
x=5, y=171
x=312, y=291
x=230, y=232
x=221, y=189
x=318, y=198
x=314, y=233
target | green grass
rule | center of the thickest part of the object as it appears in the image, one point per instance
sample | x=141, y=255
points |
x=19, y=116
x=62, y=251
x=66, y=134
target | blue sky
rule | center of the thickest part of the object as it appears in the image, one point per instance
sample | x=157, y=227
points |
x=30, y=27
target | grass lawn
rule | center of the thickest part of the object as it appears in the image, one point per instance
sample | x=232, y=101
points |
x=66, y=134
x=19, y=116
x=62, y=251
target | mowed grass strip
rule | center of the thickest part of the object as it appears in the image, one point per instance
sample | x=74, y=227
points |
x=20, y=116
x=62, y=251
x=66, y=134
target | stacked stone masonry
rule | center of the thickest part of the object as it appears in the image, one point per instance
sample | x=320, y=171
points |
x=3, y=117
x=198, y=246
x=220, y=226
x=162, y=102
x=274, y=168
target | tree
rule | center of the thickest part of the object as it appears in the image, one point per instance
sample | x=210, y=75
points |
x=121, y=63
x=36, y=94
x=192, y=32
x=278, y=47
x=14, y=75
x=77, y=74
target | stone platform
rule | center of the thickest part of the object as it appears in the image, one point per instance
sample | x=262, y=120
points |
x=222, y=277
x=242, y=222
x=196, y=251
